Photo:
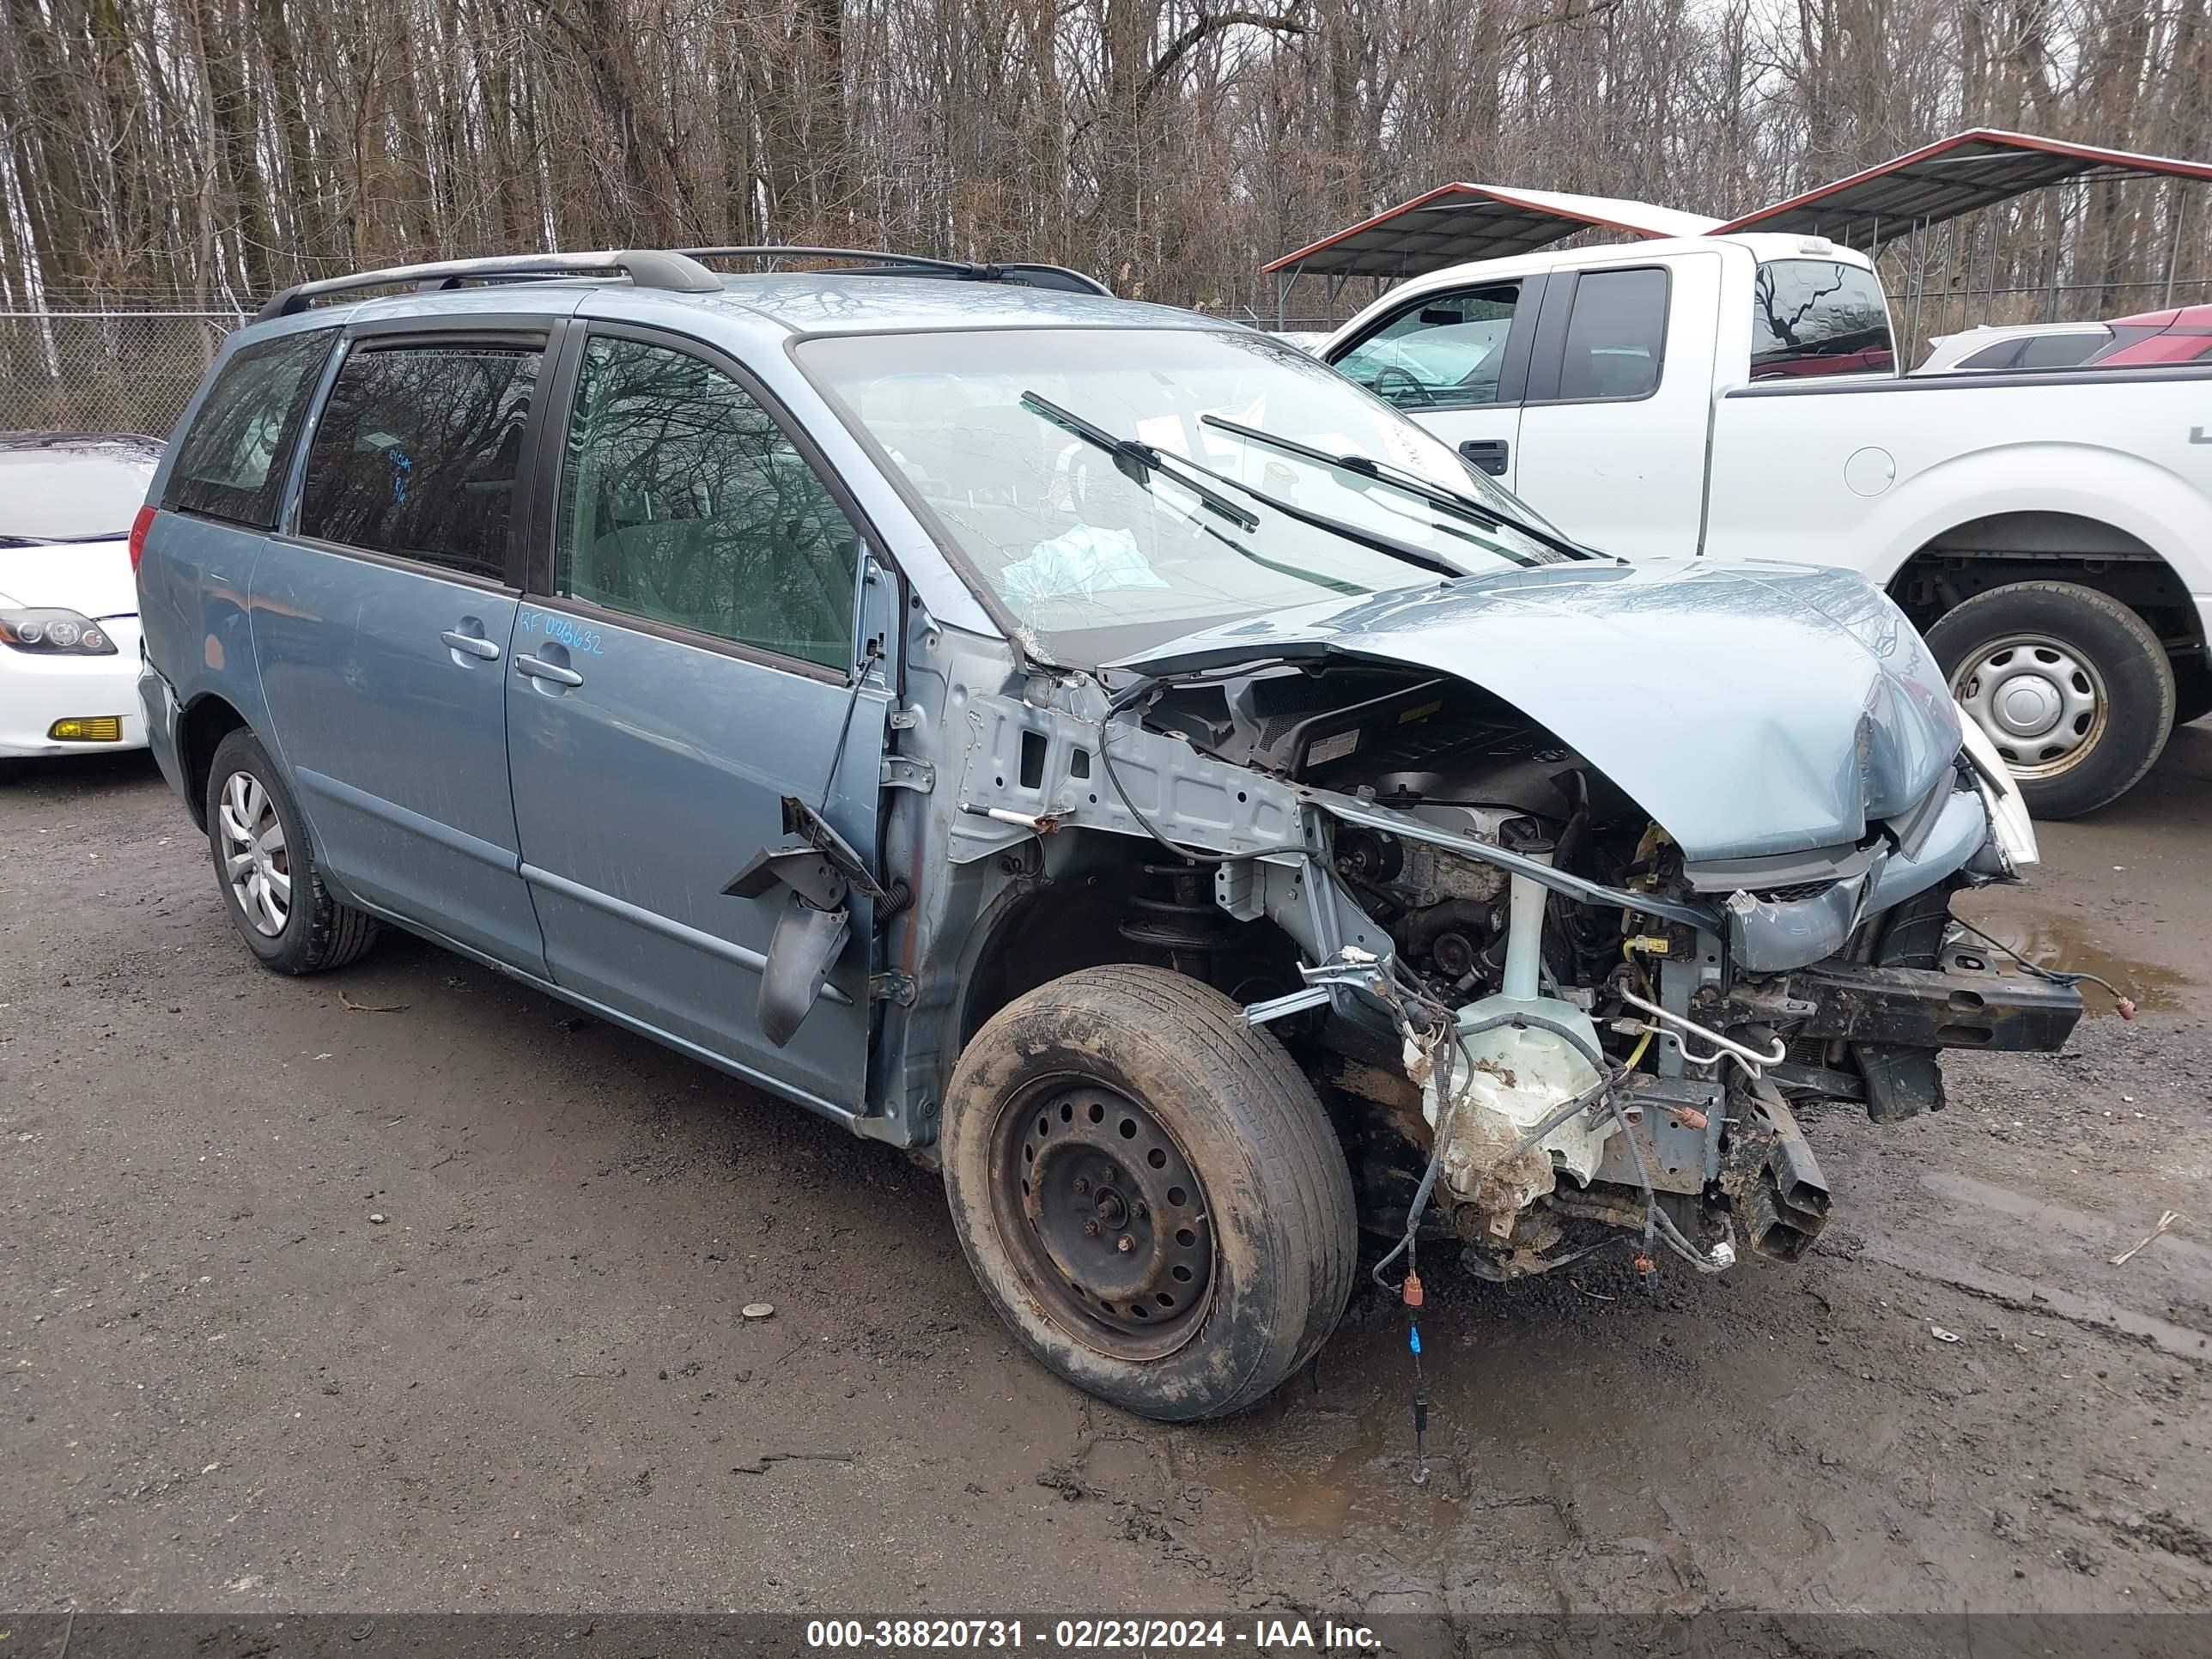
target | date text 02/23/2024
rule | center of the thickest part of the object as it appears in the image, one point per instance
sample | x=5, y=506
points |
x=1260, y=1635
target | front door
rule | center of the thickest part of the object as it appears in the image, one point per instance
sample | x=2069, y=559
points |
x=381, y=622
x=1455, y=362
x=686, y=660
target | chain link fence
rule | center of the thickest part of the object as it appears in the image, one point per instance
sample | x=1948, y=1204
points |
x=104, y=371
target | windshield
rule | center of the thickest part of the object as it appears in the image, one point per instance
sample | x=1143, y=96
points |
x=69, y=497
x=1098, y=553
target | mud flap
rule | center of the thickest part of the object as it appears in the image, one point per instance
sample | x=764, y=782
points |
x=822, y=871
x=1900, y=1083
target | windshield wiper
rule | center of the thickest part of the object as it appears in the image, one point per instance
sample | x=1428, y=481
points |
x=1399, y=478
x=1344, y=527
x=1137, y=461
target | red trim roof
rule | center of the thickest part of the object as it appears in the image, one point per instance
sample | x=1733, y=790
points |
x=1457, y=222
x=1969, y=170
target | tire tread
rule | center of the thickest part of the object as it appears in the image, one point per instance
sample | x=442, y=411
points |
x=1270, y=1103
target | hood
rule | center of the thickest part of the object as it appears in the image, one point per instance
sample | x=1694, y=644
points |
x=94, y=578
x=1750, y=708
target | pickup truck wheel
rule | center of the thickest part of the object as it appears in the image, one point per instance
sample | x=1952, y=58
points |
x=266, y=869
x=2071, y=686
x=1149, y=1191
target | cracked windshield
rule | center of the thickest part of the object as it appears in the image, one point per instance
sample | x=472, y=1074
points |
x=1117, y=488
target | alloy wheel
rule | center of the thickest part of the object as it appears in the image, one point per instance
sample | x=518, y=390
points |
x=255, y=858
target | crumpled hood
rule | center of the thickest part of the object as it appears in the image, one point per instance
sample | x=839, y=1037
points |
x=1750, y=708
x=93, y=578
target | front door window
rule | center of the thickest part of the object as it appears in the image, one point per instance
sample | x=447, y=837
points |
x=1444, y=353
x=683, y=503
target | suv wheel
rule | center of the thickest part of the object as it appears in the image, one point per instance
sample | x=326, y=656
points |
x=2071, y=686
x=1149, y=1191
x=266, y=870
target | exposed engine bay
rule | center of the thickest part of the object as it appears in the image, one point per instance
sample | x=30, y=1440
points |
x=1537, y=1018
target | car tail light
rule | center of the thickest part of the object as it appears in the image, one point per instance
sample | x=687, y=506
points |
x=139, y=526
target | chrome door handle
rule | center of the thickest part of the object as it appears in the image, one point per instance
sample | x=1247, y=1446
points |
x=538, y=668
x=471, y=644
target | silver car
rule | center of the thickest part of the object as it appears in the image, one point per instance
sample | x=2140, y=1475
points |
x=1093, y=747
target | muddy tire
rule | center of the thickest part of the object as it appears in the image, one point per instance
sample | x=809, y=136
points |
x=275, y=895
x=2072, y=687
x=1149, y=1191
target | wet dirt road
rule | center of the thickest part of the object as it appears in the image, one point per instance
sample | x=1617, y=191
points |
x=531, y=1386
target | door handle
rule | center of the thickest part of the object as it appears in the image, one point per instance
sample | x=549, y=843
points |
x=471, y=644
x=538, y=668
x=1488, y=453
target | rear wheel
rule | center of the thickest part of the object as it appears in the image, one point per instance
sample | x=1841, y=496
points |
x=2071, y=686
x=1149, y=1191
x=266, y=869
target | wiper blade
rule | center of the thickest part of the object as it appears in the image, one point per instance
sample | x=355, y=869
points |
x=1344, y=527
x=1137, y=460
x=1397, y=477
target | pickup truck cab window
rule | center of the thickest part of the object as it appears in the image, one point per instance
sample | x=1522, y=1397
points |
x=417, y=452
x=1818, y=317
x=683, y=503
x=1447, y=351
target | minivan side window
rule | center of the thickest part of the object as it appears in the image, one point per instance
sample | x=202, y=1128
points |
x=1444, y=353
x=683, y=503
x=418, y=452
x=1818, y=317
x=1616, y=335
x=230, y=463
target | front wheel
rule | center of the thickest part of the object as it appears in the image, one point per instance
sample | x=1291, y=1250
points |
x=2071, y=686
x=1149, y=1191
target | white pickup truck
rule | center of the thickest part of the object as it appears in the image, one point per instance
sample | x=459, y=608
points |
x=1736, y=396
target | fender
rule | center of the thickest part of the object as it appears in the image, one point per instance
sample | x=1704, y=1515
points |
x=2159, y=508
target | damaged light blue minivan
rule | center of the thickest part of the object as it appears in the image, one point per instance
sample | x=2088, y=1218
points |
x=1092, y=746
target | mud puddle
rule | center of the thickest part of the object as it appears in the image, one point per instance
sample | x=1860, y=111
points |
x=2052, y=937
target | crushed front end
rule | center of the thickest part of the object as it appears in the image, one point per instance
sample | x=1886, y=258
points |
x=1565, y=1025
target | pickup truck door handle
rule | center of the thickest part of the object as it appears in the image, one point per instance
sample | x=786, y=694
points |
x=538, y=668
x=1488, y=453
x=471, y=644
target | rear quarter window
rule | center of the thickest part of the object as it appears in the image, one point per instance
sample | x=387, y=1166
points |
x=230, y=464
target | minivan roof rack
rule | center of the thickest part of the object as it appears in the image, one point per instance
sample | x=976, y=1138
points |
x=916, y=264
x=646, y=267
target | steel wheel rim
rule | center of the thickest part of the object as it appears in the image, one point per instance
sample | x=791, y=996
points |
x=256, y=862
x=1077, y=1167
x=2041, y=702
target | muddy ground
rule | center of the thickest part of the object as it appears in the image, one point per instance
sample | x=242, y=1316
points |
x=531, y=1385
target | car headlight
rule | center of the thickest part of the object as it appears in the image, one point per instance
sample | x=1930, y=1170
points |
x=54, y=633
